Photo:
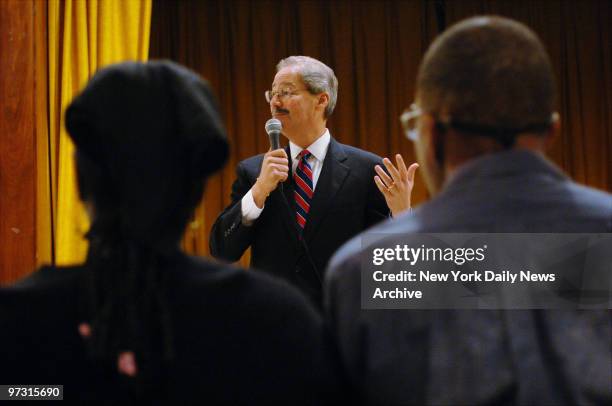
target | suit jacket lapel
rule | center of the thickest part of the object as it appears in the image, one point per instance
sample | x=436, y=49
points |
x=330, y=181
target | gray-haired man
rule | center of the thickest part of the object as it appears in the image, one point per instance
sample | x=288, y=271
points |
x=329, y=191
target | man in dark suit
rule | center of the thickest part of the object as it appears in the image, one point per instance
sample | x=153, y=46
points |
x=483, y=115
x=328, y=196
x=141, y=323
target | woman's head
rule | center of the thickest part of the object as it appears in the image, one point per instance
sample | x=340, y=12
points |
x=147, y=135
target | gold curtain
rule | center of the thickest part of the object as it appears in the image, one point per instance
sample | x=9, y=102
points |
x=82, y=36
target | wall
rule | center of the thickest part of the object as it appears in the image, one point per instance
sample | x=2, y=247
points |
x=17, y=139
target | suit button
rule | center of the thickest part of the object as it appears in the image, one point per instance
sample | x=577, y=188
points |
x=297, y=269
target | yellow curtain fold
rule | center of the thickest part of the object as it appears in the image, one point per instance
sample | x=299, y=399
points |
x=83, y=36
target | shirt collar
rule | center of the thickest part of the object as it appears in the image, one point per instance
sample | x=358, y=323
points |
x=318, y=148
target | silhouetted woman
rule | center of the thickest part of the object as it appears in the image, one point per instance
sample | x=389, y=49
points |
x=141, y=321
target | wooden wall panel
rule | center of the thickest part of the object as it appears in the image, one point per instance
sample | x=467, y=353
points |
x=17, y=139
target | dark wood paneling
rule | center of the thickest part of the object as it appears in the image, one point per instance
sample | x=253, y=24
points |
x=17, y=139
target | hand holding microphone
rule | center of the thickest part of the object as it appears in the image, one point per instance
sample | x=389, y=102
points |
x=275, y=165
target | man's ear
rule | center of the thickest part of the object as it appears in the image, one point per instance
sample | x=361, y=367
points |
x=323, y=100
x=429, y=147
x=430, y=136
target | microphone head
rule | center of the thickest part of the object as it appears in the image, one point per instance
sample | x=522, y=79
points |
x=273, y=125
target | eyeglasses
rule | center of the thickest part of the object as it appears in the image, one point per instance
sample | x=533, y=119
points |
x=280, y=93
x=409, y=121
x=410, y=115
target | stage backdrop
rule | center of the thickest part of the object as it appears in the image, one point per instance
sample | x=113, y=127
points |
x=374, y=48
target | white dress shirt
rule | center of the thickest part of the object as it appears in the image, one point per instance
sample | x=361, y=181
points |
x=318, y=149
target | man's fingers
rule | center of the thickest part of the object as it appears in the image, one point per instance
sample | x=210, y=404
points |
x=280, y=174
x=381, y=186
x=401, y=166
x=392, y=170
x=279, y=153
x=412, y=171
x=280, y=167
x=277, y=160
x=274, y=169
x=387, y=181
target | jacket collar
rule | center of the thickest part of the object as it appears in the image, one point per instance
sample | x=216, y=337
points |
x=516, y=162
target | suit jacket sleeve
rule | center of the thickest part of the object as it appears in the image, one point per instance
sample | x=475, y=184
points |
x=229, y=238
x=376, y=210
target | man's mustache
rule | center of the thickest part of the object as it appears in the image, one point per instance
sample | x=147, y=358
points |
x=279, y=110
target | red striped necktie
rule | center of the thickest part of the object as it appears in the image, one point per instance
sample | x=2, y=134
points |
x=303, y=188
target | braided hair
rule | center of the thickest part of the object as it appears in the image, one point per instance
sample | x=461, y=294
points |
x=147, y=136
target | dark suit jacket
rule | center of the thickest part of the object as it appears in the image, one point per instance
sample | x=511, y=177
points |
x=345, y=202
x=239, y=338
x=479, y=357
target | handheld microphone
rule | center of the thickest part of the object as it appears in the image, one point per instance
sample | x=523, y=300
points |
x=274, y=128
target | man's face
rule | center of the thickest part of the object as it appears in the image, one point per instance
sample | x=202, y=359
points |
x=297, y=109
